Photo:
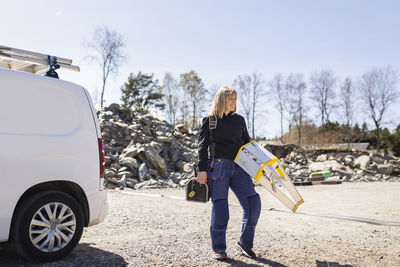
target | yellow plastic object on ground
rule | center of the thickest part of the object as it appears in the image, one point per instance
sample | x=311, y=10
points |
x=265, y=169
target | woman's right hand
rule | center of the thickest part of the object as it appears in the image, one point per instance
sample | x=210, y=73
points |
x=201, y=177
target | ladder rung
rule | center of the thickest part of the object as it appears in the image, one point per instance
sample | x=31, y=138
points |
x=16, y=51
x=37, y=61
x=23, y=60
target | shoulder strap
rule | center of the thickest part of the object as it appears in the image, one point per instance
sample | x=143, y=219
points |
x=212, y=125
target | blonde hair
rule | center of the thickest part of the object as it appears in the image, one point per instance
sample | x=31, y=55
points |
x=218, y=104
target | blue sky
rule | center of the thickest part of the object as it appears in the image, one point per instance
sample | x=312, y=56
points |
x=217, y=39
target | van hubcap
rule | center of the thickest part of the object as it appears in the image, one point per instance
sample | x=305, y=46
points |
x=52, y=227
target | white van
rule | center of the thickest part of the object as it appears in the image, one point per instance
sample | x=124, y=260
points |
x=51, y=164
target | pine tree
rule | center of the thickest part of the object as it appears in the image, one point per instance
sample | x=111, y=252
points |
x=142, y=92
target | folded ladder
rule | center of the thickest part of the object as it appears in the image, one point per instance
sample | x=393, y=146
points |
x=265, y=169
x=18, y=59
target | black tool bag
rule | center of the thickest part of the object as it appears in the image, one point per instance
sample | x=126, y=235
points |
x=197, y=192
x=193, y=190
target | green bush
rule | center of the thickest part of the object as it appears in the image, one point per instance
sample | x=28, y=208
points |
x=396, y=141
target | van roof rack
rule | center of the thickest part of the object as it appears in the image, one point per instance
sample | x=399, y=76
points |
x=18, y=59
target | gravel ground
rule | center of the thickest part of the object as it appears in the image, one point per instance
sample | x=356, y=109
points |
x=160, y=231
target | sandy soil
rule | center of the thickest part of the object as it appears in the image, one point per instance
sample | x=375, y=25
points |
x=147, y=231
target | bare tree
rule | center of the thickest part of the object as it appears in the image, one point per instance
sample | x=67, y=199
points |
x=109, y=46
x=347, y=98
x=257, y=90
x=290, y=102
x=250, y=88
x=322, y=92
x=242, y=85
x=378, y=89
x=296, y=88
x=184, y=110
x=170, y=88
x=277, y=90
x=194, y=88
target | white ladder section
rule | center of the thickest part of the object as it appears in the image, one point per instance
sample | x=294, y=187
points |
x=18, y=59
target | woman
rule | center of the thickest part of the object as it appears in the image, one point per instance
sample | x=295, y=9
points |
x=222, y=172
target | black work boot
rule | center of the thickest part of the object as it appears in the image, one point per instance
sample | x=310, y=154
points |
x=220, y=255
x=248, y=252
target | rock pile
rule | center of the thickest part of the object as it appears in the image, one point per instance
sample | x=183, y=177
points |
x=145, y=152
x=351, y=165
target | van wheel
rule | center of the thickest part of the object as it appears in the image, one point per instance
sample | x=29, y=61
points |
x=48, y=226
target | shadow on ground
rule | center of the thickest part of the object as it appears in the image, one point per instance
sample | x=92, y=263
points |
x=331, y=264
x=260, y=262
x=83, y=255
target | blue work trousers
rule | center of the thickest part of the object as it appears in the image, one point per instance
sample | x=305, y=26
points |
x=226, y=173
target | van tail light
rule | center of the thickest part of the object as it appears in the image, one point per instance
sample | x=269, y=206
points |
x=102, y=157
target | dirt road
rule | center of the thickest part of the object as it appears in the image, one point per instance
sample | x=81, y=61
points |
x=159, y=231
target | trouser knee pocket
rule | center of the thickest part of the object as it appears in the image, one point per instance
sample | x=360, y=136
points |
x=220, y=216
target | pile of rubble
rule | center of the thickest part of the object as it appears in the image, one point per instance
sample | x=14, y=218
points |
x=145, y=152
x=349, y=164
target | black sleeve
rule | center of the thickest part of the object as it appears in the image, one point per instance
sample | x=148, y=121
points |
x=245, y=134
x=203, y=145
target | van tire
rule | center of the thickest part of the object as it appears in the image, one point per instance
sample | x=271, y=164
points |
x=64, y=232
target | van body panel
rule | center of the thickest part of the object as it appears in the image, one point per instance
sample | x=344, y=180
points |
x=95, y=118
x=47, y=133
x=98, y=207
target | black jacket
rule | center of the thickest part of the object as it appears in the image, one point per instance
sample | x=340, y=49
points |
x=229, y=136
